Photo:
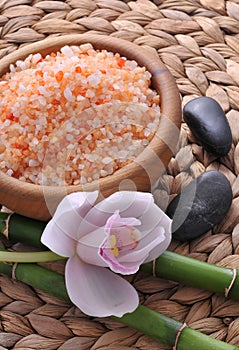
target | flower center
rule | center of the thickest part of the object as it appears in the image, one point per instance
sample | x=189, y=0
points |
x=123, y=238
x=113, y=248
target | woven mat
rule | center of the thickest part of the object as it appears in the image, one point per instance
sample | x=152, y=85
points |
x=198, y=41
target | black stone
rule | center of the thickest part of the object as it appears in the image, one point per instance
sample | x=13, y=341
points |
x=200, y=206
x=208, y=123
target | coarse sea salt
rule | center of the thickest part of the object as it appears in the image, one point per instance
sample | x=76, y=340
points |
x=74, y=116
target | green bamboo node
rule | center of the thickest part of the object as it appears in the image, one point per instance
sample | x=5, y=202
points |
x=147, y=321
x=29, y=257
x=196, y=273
x=169, y=265
x=18, y=228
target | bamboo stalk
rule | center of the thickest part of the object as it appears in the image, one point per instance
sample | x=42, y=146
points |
x=166, y=330
x=29, y=257
x=169, y=265
x=3, y=219
x=147, y=321
x=18, y=228
x=190, y=271
x=46, y=280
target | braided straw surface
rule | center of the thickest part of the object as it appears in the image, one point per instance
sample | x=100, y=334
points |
x=198, y=41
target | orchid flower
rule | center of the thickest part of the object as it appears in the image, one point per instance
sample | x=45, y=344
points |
x=103, y=241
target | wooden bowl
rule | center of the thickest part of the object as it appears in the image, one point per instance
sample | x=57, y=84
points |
x=40, y=202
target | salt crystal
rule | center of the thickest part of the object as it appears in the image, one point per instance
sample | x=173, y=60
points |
x=122, y=154
x=69, y=126
x=5, y=124
x=45, y=138
x=33, y=162
x=109, y=169
x=116, y=86
x=9, y=172
x=131, y=64
x=12, y=68
x=80, y=98
x=37, y=57
x=42, y=100
x=94, y=79
x=107, y=160
x=68, y=94
x=148, y=75
x=95, y=176
x=110, y=135
x=85, y=47
x=54, y=139
x=145, y=142
x=51, y=126
x=76, y=182
x=21, y=87
x=69, y=137
x=90, y=93
x=75, y=59
x=18, y=63
x=103, y=173
x=34, y=141
x=75, y=49
x=40, y=157
x=32, y=178
x=70, y=146
x=83, y=180
x=103, y=131
x=67, y=75
x=147, y=133
x=91, y=157
x=42, y=90
x=74, y=174
x=151, y=125
x=22, y=178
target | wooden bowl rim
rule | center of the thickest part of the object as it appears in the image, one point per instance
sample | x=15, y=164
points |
x=170, y=101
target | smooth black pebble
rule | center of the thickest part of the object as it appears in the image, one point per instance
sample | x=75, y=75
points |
x=208, y=123
x=200, y=206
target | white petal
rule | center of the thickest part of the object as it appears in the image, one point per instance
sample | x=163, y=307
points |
x=72, y=210
x=153, y=217
x=57, y=241
x=88, y=247
x=97, y=291
x=158, y=250
x=128, y=203
x=153, y=241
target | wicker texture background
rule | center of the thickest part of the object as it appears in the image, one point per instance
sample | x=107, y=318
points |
x=199, y=42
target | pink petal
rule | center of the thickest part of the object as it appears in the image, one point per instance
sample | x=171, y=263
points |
x=57, y=241
x=122, y=229
x=97, y=291
x=158, y=250
x=128, y=203
x=153, y=217
x=88, y=246
x=72, y=210
x=163, y=227
x=116, y=266
x=116, y=220
x=129, y=262
x=154, y=240
x=131, y=203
